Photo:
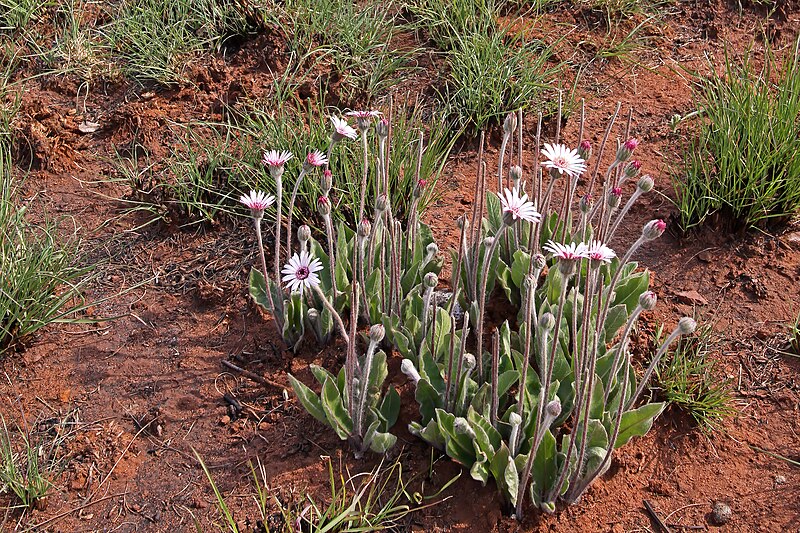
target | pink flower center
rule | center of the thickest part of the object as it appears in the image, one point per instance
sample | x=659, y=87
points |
x=560, y=162
x=302, y=273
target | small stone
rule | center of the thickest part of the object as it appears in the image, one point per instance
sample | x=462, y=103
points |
x=780, y=480
x=720, y=513
x=225, y=420
x=691, y=298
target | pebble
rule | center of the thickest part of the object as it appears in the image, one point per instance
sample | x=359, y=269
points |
x=720, y=513
x=780, y=480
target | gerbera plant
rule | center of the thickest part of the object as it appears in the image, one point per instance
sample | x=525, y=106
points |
x=540, y=408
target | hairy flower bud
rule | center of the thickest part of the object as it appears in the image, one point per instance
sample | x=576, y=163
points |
x=377, y=332
x=687, y=325
x=528, y=283
x=648, y=300
x=487, y=242
x=510, y=123
x=585, y=204
x=547, y=321
x=632, y=169
x=430, y=280
x=432, y=249
x=614, y=197
x=327, y=181
x=645, y=183
x=303, y=234
x=312, y=314
x=626, y=150
x=469, y=362
x=419, y=187
x=324, y=206
x=382, y=203
x=585, y=150
x=553, y=408
x=462, y=427
x=654, y=229
x=539, y=261
x=382, y=128
x=364, y=228
x=408, y=368
x=515, y=173
x=514, y=419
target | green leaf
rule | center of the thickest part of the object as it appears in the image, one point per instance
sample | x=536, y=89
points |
x=511, y=481
x=544, y=473
x=616, y=318
x=428, y=400
x=637, y=422
x=337, y=416
x=309, y=399
x=390, y=408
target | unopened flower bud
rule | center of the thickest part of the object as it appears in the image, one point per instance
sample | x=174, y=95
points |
x=381, y=203
x=430, y=280
x=303, y=234
x=632, y=169
x=687, y=325
x=408, y=368
x=419, y=187
x=324, y=206
x=431, y=250
x=487, y=242
x=515, y=173
x=648, y=300
x=327, y=181
x=377, y=332
x=364, y=228
x=553, y=408
x=382, y=128
x=514, y=419
x=539, y=261
x=510, y=123
x=585, y=204
x=312, y=314
x=547, y=321
x=469, y=362
x=626, y=150
x=585, y=150
x=654, y=229
x=529, y=283
x=462, y=427
x=645, y=183
x=614, y=197
x=461, y=222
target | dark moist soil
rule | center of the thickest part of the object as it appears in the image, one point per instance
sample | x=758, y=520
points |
x=132, y=399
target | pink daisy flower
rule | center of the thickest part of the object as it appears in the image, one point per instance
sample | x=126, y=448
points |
x=301, y=272
x=567, y=252
x=316, y=159
x=518, y=207
x=274, y=158
x=563, y=159
x=342, y=129
x=597, y=251
x=257, y=201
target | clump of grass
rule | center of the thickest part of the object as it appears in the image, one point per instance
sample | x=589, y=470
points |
x=212, y=164
x=688, y=379
x=794, y=336
x=377, y=500
x=17, y=14
x=492, y=69
x=354, y=39
x=156, y=39
x=42, y=279
x=741, y=163
x=22, y=472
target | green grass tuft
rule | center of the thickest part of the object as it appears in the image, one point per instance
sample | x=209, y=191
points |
x=688, y=379
x=742, y=163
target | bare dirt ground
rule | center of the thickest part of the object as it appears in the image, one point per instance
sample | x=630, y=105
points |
x=136, y=395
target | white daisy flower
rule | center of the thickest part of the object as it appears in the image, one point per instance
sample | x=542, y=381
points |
x=563, y=159
x=518, y=207
x=301, y=272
